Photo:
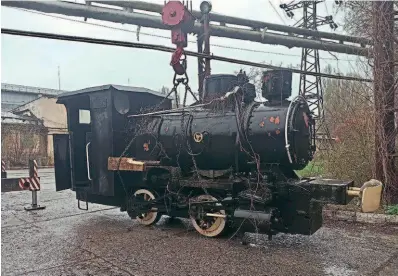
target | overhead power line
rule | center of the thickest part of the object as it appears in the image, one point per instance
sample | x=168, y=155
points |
x=168, y=49
x=272, y=5
x=168, y=37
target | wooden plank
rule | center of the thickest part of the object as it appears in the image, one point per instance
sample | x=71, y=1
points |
x=152, y=163
x=126, y=164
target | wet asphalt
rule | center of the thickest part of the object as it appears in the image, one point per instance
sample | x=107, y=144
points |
x=63, y=240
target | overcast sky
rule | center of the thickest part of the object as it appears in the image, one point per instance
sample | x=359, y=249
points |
x=35, y=61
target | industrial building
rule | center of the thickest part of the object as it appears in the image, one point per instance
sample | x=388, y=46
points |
x=29, y=117
x=13, y=95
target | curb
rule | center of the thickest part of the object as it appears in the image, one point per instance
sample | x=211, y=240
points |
x=24, y=168
x=354, y=216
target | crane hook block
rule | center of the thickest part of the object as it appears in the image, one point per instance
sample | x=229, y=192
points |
x=178, y=62
x=180, y=20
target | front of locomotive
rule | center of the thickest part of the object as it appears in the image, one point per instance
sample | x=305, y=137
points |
x=299, y=135
x=281, y=131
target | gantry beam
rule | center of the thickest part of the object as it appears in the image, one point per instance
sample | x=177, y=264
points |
x=152, y=21
x=254, y=24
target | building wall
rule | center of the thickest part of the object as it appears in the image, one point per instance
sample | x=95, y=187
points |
x=23, y=139
x=21, y=142
x=13, y=95
x=53, y=116
x=11, y=99
x=47, y=109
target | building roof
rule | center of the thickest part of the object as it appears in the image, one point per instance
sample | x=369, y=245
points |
x=30, y=89
x=21, y=106
x=11, y=118
x=8, y=106
x=114, y=86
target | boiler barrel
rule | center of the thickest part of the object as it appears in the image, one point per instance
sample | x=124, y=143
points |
x=282, y=135
x=277, y=135
x=209, y=137
x=266, y=129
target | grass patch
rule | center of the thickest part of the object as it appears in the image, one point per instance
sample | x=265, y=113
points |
x=311, y=170
x=392, y=210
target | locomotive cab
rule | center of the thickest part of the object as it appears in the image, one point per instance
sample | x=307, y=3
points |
x=97, y=129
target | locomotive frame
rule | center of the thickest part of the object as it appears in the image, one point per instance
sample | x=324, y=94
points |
x=96, y=161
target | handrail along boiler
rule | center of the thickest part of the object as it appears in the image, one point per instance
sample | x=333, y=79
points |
x=227, y=162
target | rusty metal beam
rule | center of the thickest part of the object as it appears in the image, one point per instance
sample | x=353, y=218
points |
x=254, y=24
x=151, y=21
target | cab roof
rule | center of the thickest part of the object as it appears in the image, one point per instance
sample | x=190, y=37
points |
x=106, y=87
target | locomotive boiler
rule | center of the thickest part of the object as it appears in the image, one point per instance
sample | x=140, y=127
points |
x=226, y=163
x=236, y=133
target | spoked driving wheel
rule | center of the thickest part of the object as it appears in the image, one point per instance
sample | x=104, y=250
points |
x=148, y=218
x=207, y=221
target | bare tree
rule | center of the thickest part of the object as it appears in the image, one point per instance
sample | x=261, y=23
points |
x=349, y=115
x=358, y=18
x=21, y=142
x=164, y=90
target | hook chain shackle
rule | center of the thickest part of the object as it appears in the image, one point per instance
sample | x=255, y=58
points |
x=176, y=82
x=181, y=21
x=179, y=61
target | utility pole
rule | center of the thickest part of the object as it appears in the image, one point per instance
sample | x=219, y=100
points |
x=59, y=78
x=383, y=76
x=203, y=43
x=311, y=87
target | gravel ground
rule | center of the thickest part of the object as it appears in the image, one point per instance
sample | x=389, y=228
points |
x=63, y=240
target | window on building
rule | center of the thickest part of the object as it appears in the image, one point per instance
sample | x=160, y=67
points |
x=84, y=116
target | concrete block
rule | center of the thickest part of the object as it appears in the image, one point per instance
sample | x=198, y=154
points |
x=332, y=207
x=327, y=213
x=371, y=218
x=392, y=219
x=345, y=215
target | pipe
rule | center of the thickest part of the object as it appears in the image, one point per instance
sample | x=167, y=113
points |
x=145, y=20
x=225, y=19
x=353, y=193
x=215, y=215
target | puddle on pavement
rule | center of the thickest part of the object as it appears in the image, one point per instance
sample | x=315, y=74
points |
x=334, y=270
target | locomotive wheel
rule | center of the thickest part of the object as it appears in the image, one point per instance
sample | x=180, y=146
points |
x=150, y=217
x=206, y=225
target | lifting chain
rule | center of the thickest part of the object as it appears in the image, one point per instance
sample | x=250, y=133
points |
x=180, y=65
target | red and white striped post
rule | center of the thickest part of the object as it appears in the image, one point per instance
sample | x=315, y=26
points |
x=3, y=169
x=33, y=183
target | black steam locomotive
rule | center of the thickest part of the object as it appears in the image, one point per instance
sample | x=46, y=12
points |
x=226, y=163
